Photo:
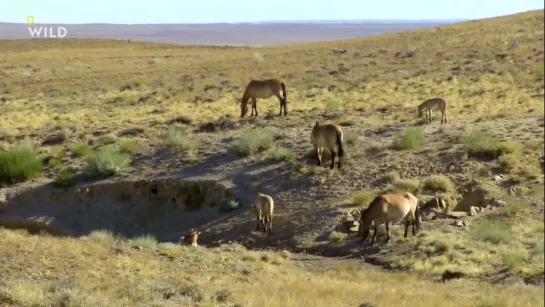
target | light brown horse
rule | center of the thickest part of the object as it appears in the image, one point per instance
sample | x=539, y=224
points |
x=191, y=238
x=263, y=89
x=328, y=136
x=263, y=209
x=388, y=208
x=433, y=103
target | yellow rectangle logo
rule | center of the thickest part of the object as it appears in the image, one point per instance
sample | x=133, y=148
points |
x=30, y=20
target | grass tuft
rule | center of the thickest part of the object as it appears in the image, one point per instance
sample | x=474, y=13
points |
x=253, y=142
x=481, y=144
x=106, y=162
x=410, y=138
x=494, y=231
x=281, y=154
x=19, y=164
x=438, y=183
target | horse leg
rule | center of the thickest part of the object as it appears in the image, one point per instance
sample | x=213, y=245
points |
x=319, y=155
x=388, y=232
x=254, y=105
x=374, y=234
x=406, y=228
x=332, y=160
x=270, y=225
x=414, y=228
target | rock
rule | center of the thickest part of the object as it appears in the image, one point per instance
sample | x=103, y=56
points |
x=460, y=223
x=458, y=214
x=428, y=216
x=472, y=211
x=448, y=275
x=498, y=178
x=475, y=198
x=496, y=202
x=54, y=139
x=131, y=132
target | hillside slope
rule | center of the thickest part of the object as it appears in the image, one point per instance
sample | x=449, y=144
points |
x=172, y=110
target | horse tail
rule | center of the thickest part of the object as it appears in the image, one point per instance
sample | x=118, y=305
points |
x=284, y=93
x=340, y=146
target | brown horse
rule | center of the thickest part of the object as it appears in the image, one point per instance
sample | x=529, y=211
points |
x=191, y=239
x=263, y=89
x=433, y=103
x=328, y=136
x=263, y=208
x=389, y=208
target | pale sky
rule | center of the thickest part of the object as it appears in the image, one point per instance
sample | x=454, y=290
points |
x=210, y=11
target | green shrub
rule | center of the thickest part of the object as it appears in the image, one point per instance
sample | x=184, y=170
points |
x=351, y=140
x=81, y=150
x=494, y=231
x=127, y=146
x=481, y=144
x=65, y=178
x=410, y=138
x=19, y=164
x=438, y=183
x=176, y=138
x=105, y=162
x=104, y=140
x=253, y=142
x=364, y=198
x=281, y=154
x=147, y=240
x=511, y=260
x=407, y=185
x=229, y=206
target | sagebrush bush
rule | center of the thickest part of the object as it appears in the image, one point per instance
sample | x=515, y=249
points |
x=19, y=164
x=494, y=231
x=407, y=185
x=81, y=150
x=228, y=206
x=281, y=154
x=410, y=138
x=105, y=162
x=481, y=144
x=127, y=146
x=364, y=198
x=65, y=178
x=438, y=183
x=253, y=142
x=177, y=138
x=146, y=240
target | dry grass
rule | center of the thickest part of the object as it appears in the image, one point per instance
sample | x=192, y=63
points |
x=99, y=271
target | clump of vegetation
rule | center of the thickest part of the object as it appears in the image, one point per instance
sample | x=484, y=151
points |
x=104, y=140
x=337, y=236
x=229, y=206
x=81, y=150
x=390, y=177
x=253, y=142
x=438, y=183
x=177, y=138
x=65, y=178
x=409, y=185
x=146, y=240
x=512, y=260
x=281, y=154
x=106, y=162
x=101, y=235
x=481, y=144
x=494, y=231
x=364, y=198
x=128, y=146
x=351, y=140
x=508, y=162
x=410, y=138
x=331, y=106
x=19, y=164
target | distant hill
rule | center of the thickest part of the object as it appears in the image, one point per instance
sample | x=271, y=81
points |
x=236, y=34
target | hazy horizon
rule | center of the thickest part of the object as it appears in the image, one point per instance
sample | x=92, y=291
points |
x=125, y=12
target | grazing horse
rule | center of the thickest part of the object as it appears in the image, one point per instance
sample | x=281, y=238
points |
x=263, y=208
x=433, y=103
x=191, y=239
x=389, y=208
x=328, y=136
x=263, y=89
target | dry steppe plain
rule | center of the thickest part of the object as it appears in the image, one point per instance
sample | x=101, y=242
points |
x=105, y=111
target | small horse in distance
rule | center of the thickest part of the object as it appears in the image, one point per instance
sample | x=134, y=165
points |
x=191, y=238
x=263, y=89
x=263, y=208
x=433, y=103
x=328, y=136
x=388, y=208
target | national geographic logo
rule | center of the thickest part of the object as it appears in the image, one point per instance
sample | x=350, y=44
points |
x=44, y=31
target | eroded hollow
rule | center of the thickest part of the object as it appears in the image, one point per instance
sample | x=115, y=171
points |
x=163, y=207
